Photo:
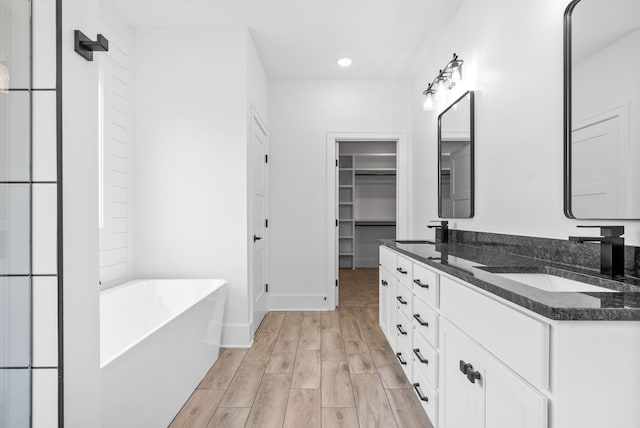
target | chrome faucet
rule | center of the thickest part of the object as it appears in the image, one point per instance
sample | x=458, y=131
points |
x=611, y=249
x=444, y=230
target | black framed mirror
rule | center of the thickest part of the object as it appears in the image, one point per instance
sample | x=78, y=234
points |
x=602, y=109
x=456, y=159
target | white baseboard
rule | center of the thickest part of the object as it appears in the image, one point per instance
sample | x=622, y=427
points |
x=236, y=336
x=297, y=302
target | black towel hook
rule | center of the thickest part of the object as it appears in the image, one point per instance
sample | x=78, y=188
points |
x=85, y=47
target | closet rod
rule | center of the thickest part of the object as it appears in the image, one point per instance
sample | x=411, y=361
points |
x=381, y=174
x=375, y=224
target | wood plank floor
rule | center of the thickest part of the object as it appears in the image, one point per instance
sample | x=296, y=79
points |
x=309, y=369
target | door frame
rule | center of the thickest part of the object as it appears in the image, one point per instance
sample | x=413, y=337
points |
x=402, y=195
x=255, y=119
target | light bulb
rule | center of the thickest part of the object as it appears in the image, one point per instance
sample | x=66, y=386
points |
x=456, y=74
x=440, y=92
x=428, y=102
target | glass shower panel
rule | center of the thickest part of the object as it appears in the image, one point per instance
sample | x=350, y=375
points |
x=15, y=324
x=15, y=44
x=15, y=227
x=15, y=213
x=14, y=398
x=15, y=130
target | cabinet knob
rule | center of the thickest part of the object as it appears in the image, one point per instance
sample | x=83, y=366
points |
x=384, y=283
x=401, y=300
x=473, y=376
x=402, y=361
x=465, y=367
x=402, y=271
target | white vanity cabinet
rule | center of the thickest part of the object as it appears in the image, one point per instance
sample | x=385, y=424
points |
x=474, y=380
x=479, y=361
x=410, y=320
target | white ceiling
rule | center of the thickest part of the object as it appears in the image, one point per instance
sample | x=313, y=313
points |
x=299, y=39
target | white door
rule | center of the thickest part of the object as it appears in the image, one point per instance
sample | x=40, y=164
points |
x=258, y=220
x=461, y=181
x=598, y=170
x=509, y=401
x=462, y=401
x=383, y=299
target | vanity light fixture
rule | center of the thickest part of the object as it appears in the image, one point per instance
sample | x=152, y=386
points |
x=344, y=62
x=448, y=77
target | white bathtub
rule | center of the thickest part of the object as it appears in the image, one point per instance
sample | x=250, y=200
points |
x=158, y=338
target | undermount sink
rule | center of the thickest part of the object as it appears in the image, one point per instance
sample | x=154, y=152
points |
x=553, y=283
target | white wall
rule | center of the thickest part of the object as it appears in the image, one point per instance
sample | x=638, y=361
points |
x=301, y=114
x=513, y=59
x=117, y=83
x=594, y=96
x=190, y=159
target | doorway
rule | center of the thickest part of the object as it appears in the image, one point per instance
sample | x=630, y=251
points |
x=367, y=210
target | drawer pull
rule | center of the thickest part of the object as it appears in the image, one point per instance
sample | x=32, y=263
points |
x=473, y=376
x=402, y=361
x=465, y=367
x=420, y=320
x=402, y=271
x=401, y=300
x=422, y=397
x=420, y=284
x=384, y=283
x=401, y=330
x=422, y=359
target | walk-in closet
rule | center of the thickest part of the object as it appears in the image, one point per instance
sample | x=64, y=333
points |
x=367, y=200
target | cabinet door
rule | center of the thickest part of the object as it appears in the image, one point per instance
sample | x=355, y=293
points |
x=509, y=401
x=383, y=295
x=461, y=401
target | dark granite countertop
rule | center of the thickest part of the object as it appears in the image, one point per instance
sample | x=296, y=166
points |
x=478, y=265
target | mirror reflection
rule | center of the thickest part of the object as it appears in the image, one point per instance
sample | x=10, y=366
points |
x=455, y=159
x=603, y=136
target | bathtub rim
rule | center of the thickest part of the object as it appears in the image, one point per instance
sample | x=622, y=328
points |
x=222, y=285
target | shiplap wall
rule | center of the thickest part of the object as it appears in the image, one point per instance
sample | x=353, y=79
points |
x=116, y=76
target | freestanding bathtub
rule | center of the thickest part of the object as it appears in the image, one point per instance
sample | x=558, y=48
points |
x=158, y=338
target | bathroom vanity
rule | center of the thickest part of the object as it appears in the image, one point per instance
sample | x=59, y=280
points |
x=490, y=339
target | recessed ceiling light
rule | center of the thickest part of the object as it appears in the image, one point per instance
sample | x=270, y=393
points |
x=344, y=62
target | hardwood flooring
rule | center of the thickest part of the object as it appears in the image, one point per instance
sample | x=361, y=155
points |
x=310, y=369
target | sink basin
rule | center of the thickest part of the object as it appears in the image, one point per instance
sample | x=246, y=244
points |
x=552, y=283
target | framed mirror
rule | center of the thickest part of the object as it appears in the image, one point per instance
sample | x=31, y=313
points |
x=455, y=159
x=602, y=109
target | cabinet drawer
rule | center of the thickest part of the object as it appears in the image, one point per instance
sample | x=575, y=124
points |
x=427, y=395
x=404, y=358
x=404, y=299
x=404, y=339
x=388, y=259
x=403, y=270
x=516, y=339
x=425, y=321
x=425, y=358
x=426, y=285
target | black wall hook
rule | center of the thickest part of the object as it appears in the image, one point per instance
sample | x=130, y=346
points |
x=85, y=46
